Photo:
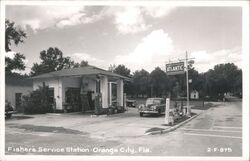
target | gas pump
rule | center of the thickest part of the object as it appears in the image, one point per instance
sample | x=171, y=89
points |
x=98, y=103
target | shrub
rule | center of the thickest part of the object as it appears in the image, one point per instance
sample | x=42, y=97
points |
x=37, y=102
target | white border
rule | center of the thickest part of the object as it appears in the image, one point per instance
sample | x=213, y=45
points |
x=245, y=88
x=245, y=69
x=2, y=83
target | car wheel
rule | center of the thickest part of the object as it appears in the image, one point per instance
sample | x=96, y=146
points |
x=159, y=112
x=8, y=116
x=141, y=114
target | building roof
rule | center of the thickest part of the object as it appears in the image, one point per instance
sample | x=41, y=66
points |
x=18, y=81
x=80, y=71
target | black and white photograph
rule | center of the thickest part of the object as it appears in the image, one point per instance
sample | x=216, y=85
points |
x=127, y=80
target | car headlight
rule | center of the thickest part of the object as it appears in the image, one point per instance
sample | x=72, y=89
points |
x=141, y=106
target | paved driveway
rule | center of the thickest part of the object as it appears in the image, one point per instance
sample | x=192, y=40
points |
x=117, y=125
x=123, y=134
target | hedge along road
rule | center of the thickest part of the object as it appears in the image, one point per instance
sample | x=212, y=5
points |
x=123, y=134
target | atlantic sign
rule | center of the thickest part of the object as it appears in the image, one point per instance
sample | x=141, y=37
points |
x=175, y=68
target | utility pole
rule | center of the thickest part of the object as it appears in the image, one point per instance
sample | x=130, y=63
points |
x=186, y=61
x=188, y=107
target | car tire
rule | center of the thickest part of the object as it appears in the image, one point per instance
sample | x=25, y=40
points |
x=141, y=114
x=159, y=112
x=8, y=116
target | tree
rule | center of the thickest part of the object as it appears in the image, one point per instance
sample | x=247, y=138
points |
x=237, y=86
x=178, y=82
x=14, y=64
x=51, y=60
x=13, y=34
x=111, y=67
x=197, y=79
x=222, y=79
x=140, y=83
x=176, y=90
x=158, y=82
x=82, y=64
x=122, y=70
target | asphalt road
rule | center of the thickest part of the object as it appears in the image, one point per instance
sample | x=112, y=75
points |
x=215, y=132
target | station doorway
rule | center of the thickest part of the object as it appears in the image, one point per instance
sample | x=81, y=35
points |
x=112, y=94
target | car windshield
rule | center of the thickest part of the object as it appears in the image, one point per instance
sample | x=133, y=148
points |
x=153, y=101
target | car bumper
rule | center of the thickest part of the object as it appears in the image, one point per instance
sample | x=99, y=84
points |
x=150, y=112
x=10, y=112
x=131, y=104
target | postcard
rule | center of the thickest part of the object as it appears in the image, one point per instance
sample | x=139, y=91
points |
x=127, y=80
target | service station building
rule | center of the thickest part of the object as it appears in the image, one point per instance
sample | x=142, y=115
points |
x=82, y=89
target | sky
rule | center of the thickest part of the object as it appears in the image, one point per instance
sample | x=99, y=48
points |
x=140, y=37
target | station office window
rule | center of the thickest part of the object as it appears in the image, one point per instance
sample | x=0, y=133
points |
x=98, y=86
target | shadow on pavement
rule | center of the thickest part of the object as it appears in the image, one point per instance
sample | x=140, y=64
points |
x=176, y=122
x=154, y=129
x=207, y=106
x=19, y=117
x=51, y=129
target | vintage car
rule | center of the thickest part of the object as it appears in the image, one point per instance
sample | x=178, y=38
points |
x=9, y=109
x=131, y=103
x=152, y=106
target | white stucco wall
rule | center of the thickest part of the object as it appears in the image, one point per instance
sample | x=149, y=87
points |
x=194, y=95
x=10, y=92
x=91, y=83
x=104, y=91
x=110, y=84
x=120, y=92
x=52, y=83
x=60, y=86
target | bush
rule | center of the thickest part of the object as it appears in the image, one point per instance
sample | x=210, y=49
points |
x=37, y=102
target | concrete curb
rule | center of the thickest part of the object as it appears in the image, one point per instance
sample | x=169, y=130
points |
x=173, y=127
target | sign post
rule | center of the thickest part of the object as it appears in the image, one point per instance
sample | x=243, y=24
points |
x=167, y=111
x=188, y=107
x=181, y=68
